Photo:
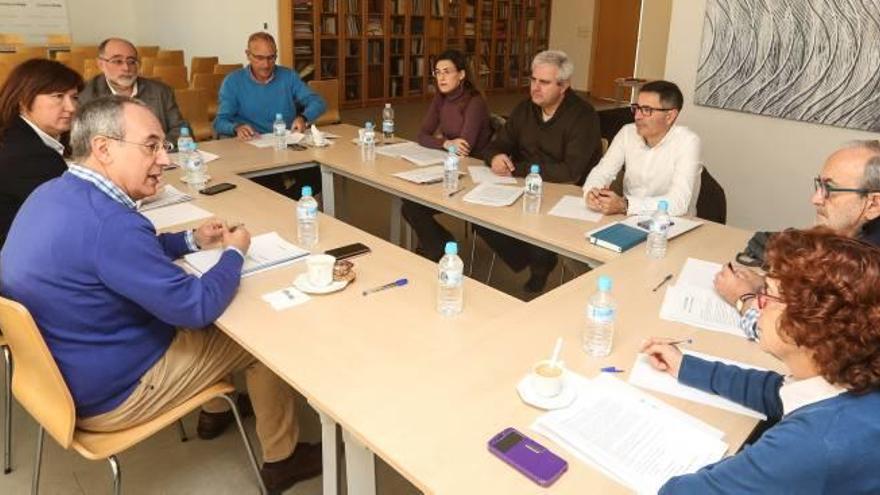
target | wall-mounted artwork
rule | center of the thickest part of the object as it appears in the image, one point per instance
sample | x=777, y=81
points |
x=807, y=60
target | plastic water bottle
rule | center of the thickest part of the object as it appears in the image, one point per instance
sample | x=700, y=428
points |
x=184, y=141
x=279, y=130
x=388, y=123
x=534, y=191
x=307, y=219
x=601, y=311
x=658, y=236
x=450, y=171
x=368, y=150
x=450, y=289
x=194, y=167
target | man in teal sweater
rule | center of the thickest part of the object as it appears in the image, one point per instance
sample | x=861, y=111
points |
x=130, y=330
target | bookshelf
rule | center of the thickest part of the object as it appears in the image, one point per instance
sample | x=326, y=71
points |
x=383, y=50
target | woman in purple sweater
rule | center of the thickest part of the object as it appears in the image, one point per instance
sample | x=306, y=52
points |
x=458, y=117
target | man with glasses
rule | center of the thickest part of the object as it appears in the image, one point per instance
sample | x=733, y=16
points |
x=662, y=159
x=846, y=195
x=119, y=63
x=130, y=330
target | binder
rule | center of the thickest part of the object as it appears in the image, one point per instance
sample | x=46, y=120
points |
x=617, y=237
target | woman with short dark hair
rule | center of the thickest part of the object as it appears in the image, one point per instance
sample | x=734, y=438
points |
x=821, y=317
x=37, y=104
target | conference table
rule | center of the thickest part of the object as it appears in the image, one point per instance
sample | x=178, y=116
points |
x=426, y=392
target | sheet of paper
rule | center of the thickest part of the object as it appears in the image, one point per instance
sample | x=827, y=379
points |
x=413, y=153
x=646, y=376
x=177, y=214
x=638, y=439
x=699, y=273
x=482, y=174
x=396, y=149
x=207, y=157
x=268, y=140
x=493, y=195
x=267, y=251
x=574, y=207
x=424, y=175
x=285, y=298
x=680, y=225
x=700, y=307
x=169, y=195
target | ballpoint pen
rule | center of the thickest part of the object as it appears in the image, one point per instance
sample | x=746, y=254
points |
x=611, y=369
x=397, y=283
x=453, y=193
x=665, y=279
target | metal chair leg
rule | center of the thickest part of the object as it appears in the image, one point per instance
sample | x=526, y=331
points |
x=181, y=430
x=35, y=482
x=473, y=252
x=247, y=442
x=117, y=474
x=491, y=267
x=7, y=413
x=562, y=272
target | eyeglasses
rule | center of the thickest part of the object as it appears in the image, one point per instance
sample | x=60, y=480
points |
x=443, y=72
x=825, y=186
x=762, y=298
x=154, y=147
x=647, y=110
x=119, y=62
x=263, y=58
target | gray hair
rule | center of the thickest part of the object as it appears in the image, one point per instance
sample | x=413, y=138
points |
x=99, y=117
x=871, y=177
x=557, y=58
x=102, y=47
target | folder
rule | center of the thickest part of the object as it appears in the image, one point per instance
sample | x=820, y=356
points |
x=617, y=237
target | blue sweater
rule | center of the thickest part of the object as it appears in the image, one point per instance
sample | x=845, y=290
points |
x=830, y=446
x=102, y=287
x=245, y=101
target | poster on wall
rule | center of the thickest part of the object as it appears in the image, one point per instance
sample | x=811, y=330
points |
x=34, y=21
x=807, y=60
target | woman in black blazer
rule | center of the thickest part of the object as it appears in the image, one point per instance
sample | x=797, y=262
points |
x=37, y=104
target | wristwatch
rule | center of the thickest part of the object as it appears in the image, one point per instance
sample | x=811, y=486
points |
x=743, y=299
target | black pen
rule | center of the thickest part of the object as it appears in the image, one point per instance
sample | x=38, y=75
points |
x=665, y=279
x=453, y=193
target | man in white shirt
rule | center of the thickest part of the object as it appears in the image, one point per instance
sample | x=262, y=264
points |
x=662, y=159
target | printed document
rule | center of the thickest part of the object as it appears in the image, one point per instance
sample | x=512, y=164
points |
x=413, y=153
x=267, y=251
x=426, y=175
x=493, y=195
x=177, y=214
x=693, y=300
x=481, y=174
x=574, y=207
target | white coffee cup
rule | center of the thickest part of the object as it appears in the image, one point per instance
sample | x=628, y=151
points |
x=547, y=379
x=320, y=269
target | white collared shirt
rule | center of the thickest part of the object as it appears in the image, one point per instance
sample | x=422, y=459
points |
x=796, y=394
x=134, y=88
x=669, y=170
x=47, y=139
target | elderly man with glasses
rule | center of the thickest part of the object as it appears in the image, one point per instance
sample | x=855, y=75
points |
x=662, y=159
x=119, y=63
x=131, y=331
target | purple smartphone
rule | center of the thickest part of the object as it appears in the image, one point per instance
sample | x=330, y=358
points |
x=528, y=456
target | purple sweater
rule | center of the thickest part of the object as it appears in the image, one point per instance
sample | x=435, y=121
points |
x=457, y=115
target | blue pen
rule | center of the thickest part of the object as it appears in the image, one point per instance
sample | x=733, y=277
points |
x=397, y=283
x=611, y=369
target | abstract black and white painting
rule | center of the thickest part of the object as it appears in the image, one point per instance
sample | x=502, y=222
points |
x=807, y=60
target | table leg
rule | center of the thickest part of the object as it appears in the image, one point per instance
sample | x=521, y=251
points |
x=360, y=467
x=396, y=203
x=327, y=192
x=329, y=455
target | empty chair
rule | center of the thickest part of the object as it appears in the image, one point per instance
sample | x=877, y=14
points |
x=90, y=72
x=174, y=56
x=328, y=89
x=192, y=104
x=11, y=39
x=226, y=68
x=210, y=83
x=58, y=40
x=41, y=390
x=147, y=50
x=172, y=75
x=33, y=51
x=89, y=51
x=147, y=66
x=202, y=65
x=75, y=61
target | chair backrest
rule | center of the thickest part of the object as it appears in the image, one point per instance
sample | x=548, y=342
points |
x=90, y=51
x=172, y=75
x=328, y=89
x=32, y=51
x=147, y=51
x=174, y=56
x=712, y=201
x=90, y=72
x=226, y=68
x=58, y=40
x=147, y=66
x=209, y=82
x=203, y=65
x=193, y=104
x=90, y=63
x=11, y=39
x=37, y=382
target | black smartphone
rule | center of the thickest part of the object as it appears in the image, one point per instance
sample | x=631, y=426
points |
x=296, y=147
x=217, y=188
x=349, y=251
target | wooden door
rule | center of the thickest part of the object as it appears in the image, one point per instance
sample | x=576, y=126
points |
x=614, y=50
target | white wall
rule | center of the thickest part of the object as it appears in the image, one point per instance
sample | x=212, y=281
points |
x=653, y=39
x=571, y=30
x=764, y=164
x=91, y=21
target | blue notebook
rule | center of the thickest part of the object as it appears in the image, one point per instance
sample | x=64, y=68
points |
x=618, y=237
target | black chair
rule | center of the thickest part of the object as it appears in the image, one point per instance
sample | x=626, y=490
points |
x=712, y=202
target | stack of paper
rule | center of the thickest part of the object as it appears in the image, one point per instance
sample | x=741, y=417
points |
x=480, y=174
x=646, y=376
x=574, y=207
x=693, y=300
x=267, y=251
x=427, y=175
x=631, y=436
x=493, y=195
x=176, y=214
x=414, y=153
x=268, y=140
x=169, y=195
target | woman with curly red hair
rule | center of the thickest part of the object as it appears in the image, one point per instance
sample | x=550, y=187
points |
x=821, y=317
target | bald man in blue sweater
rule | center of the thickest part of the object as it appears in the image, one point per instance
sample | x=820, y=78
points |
x=111, y=304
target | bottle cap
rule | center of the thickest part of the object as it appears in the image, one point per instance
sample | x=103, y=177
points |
x=184, y=131
x=663, y=205
x=451, y=248
x=452, y=149
x=278, y=116
x=368, y=125
x=388, y=105
x=306, y=191
x=604, y=283
x=535, y=169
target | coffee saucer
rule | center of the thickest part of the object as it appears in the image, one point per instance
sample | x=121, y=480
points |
x=185, y=181
x=563, y=399
x=302, y=283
